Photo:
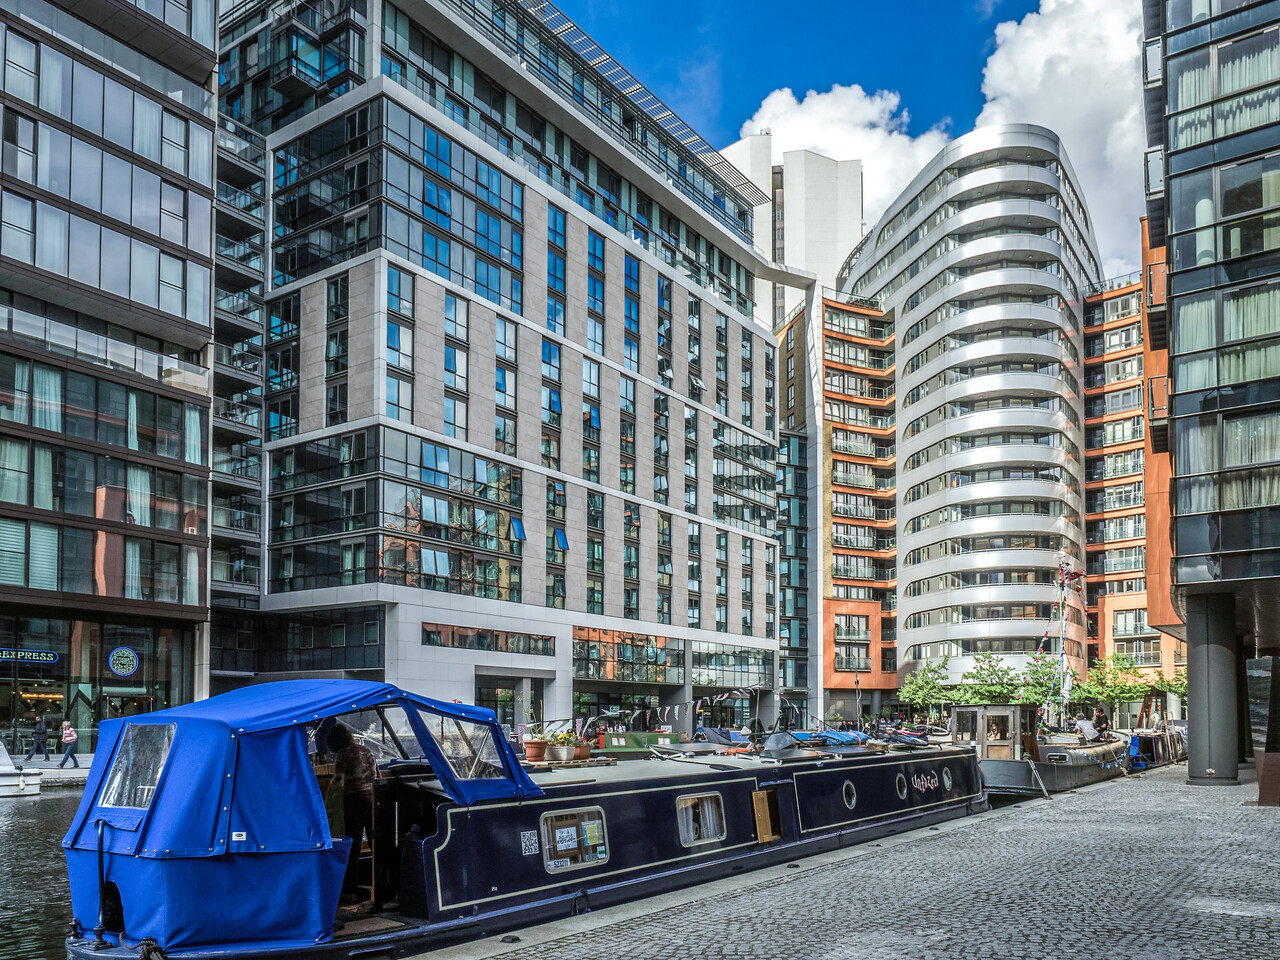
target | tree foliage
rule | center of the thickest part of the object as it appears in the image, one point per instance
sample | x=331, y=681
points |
x=1040, y=680
x=923, y=687
x=989, y=680
x=1177, y=684
x=1112, y=680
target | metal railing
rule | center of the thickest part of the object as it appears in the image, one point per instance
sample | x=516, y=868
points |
x=1114, y=283
x=854, y=634
x=66, y=340
x=850, y=664
x=237, y=412
x=237, y=357
x=247, y=202
x=244, y=468
x=236, y=518
x=235, y=571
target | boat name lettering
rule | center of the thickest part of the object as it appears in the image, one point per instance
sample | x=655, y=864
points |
x=773, y=783
x=924, y=781
x=529, y=843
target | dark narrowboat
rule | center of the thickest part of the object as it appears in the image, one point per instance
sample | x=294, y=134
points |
x=1014, y=761
x=203, y=828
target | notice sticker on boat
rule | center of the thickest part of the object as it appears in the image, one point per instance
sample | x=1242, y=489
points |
x=529, y=842
x=558, y=864
x=566, y=838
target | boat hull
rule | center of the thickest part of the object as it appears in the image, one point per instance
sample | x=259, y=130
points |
x=1061, y=767
x=485, y=868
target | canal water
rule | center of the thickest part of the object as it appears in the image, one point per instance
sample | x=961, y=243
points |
x=35, y=902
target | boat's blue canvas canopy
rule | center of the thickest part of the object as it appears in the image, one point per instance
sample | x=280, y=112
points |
x=230, y=778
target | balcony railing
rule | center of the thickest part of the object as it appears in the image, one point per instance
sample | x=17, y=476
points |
x=861, y=448
x=853, y=634
x=1114, y=283
x=237, y=412
x=237, y=357
x=241, y=572
x=241, y=142
x=1158, y=392
x=239, y=304
x=65, y=340
x=236, y=518
x=247, y=253
x=851, y=664
x=247, y=202
x=244, y=468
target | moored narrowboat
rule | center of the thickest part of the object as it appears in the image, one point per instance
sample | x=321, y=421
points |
x=203, y=828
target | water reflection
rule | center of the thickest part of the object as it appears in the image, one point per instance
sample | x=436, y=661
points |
x=35, y=901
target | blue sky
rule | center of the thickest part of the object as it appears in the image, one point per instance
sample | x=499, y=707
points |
x=714, y=61
x=893, y=80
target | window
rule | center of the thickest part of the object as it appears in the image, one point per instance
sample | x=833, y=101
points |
x=631, y=603
x=335, y=353
x=400, y=291
x=138, y=765
x=399, y=344
x=631, y=314
x=590, y=378
x=455, y=367
x=555, y=589
x=551, y=360
x=504, y=387
x=595, y=596
x=504, y=434
x=701, y=817
x=455, y=317
x=399, y=399
x=339, y=298
x=590, y=463
x=631, y=561
x=664, y=294
x=626, y=395
x=555, y=226
x=633, y=274
x=550, y=451
x=631, y=519
x=595, y=294
x=595, y=335
x=555, y=271
x=550, y=406
x=455, y=418
x=555, y=315
x=595, y=251
x=335, y=404
x=595, y=510
x=695, y=539
x=694, y=616
x=505, y=339
x=631, y=355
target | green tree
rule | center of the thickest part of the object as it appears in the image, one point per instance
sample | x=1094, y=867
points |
x=1177, y=684
x=1040, y=680
x=989, y=680
x=923, y=687
x=1112, y=680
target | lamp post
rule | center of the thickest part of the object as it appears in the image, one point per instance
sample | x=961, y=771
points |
x=857, y=700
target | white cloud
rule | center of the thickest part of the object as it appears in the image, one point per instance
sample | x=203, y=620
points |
x=1072, y=66
x=847, y=123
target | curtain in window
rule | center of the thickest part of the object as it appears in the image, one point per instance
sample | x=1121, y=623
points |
x=1193, y=325
x=1248, y=488
x=1249, y=62
x=1251, y=313
x=1246, y=112
x=52, y=226
x=132, y=569
x=46, y=396
x=1197, y=372
x=193, y=435
x=139, y=494
x=1247, y=441
x=13, y=553
x=42, y=488
x=13, y=471
x=43, y=573
x=133, y=420
x=1195, y=446
x=1247, y=364
x=191, y=575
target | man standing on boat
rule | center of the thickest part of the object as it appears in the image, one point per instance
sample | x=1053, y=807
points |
x=1088, y=732
x=354, y=769
x=1100, y=720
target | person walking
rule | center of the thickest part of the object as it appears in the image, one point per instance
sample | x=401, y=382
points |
x=69, y=738
x=354, y=770
x=39, y=739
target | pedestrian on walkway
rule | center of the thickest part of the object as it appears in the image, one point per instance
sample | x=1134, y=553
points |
x=69, y=738
x=39, y=739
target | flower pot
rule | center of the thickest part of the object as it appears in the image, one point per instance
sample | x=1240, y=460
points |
x=557, y=752
x=582, y=751
x=535, y=750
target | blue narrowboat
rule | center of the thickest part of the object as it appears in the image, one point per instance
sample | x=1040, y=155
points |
x=203, y=829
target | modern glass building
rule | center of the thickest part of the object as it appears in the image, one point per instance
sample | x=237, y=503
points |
x=981, y=266
x=518, y=415
x=107, y=112
x=1212, y=71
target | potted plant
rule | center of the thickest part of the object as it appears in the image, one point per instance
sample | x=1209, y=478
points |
x=560, y=748
x=535, y=744
x=581, y=749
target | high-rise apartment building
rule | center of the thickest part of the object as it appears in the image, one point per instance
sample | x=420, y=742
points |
x=1212, y=71
x=1126, y=480
x=519, y=418
x=981, y=268
x=106, y=191
x=814, y=214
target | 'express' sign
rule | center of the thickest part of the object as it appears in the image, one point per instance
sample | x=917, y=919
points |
x=28, y=656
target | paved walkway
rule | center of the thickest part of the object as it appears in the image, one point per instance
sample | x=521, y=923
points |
x=51, y=776
x=1141, y=868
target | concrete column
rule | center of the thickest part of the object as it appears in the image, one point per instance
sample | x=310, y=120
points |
x=1244, y=737
x=1213, y=725
x=877, y=701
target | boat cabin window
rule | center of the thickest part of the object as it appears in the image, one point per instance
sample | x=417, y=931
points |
x=573, y=838
x=384, y=731
x=139, y=761
x=701, y=818
x=469, y=747
x=966, y=725
x=998, y=727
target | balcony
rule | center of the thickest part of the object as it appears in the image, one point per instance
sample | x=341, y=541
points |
x=240, y=573
x=240, y=305
x=237, y=357
x=1158, y=413
x=853, y=664
x=238, y=413
x=1114, y=283
x=240, y=468
x=241, y=143
x=249, y=202
x=240, y=517
x=65, y=340
x=853, y=634
x=243, y=253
